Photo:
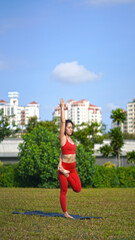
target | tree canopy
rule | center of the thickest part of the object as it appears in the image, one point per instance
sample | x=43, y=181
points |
x=118, y=115
x=88, y=135
x=39, y=156
x=5, y=130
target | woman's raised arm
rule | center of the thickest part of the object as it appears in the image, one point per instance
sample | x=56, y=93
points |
x=62, y=126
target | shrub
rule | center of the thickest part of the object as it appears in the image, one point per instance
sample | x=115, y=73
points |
x=1, y=163
x=126, y=176
x=109, y=164
x=7, y=175
x=39, y=157
x=114, y=177
x=105, y=177
x=85, y=166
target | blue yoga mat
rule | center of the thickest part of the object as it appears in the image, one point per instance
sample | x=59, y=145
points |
x=40, y=213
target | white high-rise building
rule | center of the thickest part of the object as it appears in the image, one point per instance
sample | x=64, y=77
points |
x=131, y=117
x=19, y=115
x=129, y=124
x=80, y=111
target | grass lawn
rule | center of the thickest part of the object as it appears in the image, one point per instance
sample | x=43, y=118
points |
x=116, y=206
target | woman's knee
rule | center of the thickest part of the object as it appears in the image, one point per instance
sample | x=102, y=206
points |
x=63, y=191
x=77, y=189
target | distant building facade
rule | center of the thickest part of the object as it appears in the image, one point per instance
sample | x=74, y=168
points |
x=19, y=115
x=80, y=111
x=129, y=124
x=131, y=117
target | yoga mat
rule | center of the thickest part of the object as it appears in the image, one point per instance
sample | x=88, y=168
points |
x=40, y=213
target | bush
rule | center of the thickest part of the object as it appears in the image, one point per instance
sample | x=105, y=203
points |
x=114, y=177
x=39, y=157
x=109, y=165
x=126, y=176
x=1, y=163
x=7, y=175
x=85, y=166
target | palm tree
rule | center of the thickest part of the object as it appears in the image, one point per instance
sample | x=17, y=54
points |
x=118, y=116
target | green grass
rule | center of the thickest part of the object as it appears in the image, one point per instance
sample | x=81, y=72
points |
x=116, y=206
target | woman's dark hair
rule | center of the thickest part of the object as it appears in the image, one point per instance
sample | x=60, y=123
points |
x=66, y=123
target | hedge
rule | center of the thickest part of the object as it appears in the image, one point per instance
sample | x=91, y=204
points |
x=114, y=177
x=102, y=177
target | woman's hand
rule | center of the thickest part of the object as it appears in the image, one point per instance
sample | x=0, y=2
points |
x=59, y=166
x=62, y=102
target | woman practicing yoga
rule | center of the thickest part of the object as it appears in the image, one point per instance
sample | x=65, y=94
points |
x=67, y=164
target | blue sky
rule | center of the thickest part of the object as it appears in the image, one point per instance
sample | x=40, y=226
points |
x=75, y=49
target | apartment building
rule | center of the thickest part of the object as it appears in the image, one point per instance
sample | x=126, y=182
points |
x=131, y=117
x=129, y=124
x=80, y=111
x=19, y=115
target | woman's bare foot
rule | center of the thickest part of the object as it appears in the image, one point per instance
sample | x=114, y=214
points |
x=66, y=215
x=64, y=171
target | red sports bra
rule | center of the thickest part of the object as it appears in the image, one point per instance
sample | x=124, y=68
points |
x=68, y=148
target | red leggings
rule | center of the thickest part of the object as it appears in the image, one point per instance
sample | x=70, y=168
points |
x=73, y=180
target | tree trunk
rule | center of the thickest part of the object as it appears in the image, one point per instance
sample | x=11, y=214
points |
x=119, y=157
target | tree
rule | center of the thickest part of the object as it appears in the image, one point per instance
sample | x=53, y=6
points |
x=118, y=116
x=131, y=157
x=32, y=123
x=39, y=156
x=88, y=135
x=106, y=150
x=50, y=125
x=5, y=130
x=116, y=141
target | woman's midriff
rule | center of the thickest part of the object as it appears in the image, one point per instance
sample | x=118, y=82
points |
x=69, y=158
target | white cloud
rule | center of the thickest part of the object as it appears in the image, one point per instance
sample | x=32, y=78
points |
x=108, y=2
x=3, y=65
x=111, y=106
x=72, y=72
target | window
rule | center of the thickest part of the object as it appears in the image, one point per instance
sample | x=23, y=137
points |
x=8, y=111
x=12, y=110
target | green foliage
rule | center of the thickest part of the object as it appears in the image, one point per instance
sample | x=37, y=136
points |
x=88, y=135
x=128, y=136
x=126, y=176
x=85, y=166
x=7, y=175
x=105, y=177
x=5, y=130
x=114, y=177
x=131, y=157
x=1, y=163
x=109, y=164
x=39, y=157
x=106, y=150
x=4, y=126
x=118, y=115
x=50, y=125
x=116, y=140
x=32, y=123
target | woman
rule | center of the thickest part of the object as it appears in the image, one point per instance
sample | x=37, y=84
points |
x=67, y=164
